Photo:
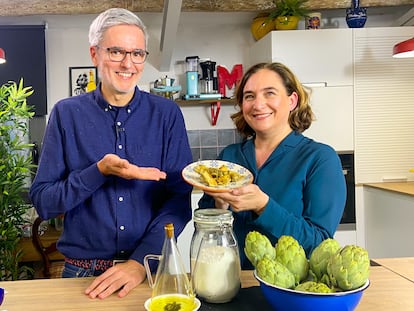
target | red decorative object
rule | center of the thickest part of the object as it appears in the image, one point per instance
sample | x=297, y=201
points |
x=2, y=56
x=404, y=49
x=215, y=110
x=229, y=79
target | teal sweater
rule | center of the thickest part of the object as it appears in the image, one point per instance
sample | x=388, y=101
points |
x=306, y=186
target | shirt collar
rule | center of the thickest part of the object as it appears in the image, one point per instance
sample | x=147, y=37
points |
x=289, y=142
x=101, y=101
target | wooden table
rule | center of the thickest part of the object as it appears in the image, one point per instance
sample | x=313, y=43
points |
x=387, y=291
x=402, y=266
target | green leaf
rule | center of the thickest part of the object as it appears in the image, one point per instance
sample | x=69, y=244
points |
x=289, y=8
x=15, y=169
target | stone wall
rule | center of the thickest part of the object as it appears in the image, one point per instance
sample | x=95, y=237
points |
x=75, y=7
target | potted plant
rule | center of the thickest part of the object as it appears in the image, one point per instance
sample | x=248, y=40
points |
x=284, y=16
x=15, y=170
x=287, y=13
x=261, y=25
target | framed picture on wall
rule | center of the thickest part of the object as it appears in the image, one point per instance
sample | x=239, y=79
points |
x=82, y=80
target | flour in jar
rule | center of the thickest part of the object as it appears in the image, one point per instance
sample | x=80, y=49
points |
x=217, y=274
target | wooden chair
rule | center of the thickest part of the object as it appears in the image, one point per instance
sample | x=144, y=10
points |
x=52, y=268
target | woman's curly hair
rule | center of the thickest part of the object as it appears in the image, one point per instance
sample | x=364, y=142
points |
x=300, y=118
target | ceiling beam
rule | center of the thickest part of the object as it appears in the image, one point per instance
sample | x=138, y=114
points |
x=76, y=7
x=171, y=18
x=406, y=20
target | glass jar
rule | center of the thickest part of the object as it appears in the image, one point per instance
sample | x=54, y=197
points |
x=214, y=254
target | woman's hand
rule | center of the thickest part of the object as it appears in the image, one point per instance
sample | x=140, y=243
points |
x=111, y=164
x=247, y=198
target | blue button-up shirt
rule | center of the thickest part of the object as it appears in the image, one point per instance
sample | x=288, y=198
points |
x=109, y=217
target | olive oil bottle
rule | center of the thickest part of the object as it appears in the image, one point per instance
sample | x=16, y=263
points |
x=171, y=290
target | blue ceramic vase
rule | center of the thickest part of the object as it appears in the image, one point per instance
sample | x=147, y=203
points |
x=355, y=15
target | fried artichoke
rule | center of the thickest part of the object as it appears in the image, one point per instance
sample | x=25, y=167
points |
x=258, y=246
x=292, y=255
x=348, y=268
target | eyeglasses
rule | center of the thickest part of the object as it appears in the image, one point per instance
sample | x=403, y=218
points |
x=116, y=54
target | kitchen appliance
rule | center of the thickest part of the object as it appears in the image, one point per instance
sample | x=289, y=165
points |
x=192, y=75
x=165, y=87
x=347, y=160
x=192, y=79
x=208, y=79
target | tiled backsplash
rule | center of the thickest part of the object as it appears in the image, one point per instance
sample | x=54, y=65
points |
x=207, y=144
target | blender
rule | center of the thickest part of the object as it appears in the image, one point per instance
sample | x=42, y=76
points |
x=206, y=82
x=192, y=77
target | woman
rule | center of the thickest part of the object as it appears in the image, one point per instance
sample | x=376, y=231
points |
x=299, y=188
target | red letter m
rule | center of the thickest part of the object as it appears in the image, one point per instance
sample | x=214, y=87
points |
x=225, y=78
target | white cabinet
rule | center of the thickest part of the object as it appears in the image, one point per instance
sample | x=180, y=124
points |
x=384, y=110
x=388, y=223
x=322, y=60
x=334, y=123
x=324, y=55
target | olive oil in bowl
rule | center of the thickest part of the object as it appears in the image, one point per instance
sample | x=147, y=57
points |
x=172, y=302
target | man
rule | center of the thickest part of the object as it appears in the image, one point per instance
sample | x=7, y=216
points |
x=111, y=163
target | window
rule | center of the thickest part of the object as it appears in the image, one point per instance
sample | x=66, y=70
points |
x=24, y=46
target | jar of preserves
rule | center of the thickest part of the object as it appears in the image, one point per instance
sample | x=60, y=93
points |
x=214, y=254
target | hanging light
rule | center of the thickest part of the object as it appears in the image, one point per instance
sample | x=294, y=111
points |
x=2, y=56
x=404, y=49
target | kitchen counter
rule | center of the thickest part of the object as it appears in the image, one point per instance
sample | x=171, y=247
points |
x=399, y=187
x=388, y=290
x=402, y=266
x=388, y=213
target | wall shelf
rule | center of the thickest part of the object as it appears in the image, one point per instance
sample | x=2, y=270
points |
x=215, y=105
x=225, y=101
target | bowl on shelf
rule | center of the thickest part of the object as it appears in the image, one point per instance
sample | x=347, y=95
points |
x=282, y=299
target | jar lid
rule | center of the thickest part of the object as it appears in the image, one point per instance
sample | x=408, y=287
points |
x=213, y=216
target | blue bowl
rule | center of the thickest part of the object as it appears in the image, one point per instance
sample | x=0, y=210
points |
x=282, y=299
x=1, y=295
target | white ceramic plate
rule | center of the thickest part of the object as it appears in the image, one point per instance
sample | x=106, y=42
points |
x=194, y=178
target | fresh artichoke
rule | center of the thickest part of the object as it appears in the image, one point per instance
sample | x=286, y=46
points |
x=319, y=258
x=313, y=287
x=275, y=273
x=348, y=268
x=258, y=246
x=292, y=255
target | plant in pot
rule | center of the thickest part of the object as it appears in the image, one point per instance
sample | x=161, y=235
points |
x=287, y=13
x=261, y=25
x=15, y=170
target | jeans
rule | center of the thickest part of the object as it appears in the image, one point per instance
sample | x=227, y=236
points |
x=71, y=271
